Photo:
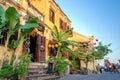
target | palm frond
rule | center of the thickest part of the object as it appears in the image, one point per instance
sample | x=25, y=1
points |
x=67, y=34
x=55, y=32
x=72, y=53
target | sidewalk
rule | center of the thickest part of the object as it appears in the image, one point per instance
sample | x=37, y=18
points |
x=103, y=76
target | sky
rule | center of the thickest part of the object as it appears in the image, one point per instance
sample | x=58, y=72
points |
x=100, y=18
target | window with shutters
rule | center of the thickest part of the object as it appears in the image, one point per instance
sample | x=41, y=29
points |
x=52, y=16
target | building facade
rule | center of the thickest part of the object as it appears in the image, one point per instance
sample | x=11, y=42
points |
x=49, y=14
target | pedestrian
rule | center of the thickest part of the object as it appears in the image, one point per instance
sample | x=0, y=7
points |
x=99, y=68
x=114, y=68
x=118, y=67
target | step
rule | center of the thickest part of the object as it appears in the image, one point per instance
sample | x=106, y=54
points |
x=37, y=69
x=37, y=75
x=36, y=65
x=37, y=72
x=42, y=77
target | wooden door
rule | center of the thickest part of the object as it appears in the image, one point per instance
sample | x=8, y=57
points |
x=40, y=49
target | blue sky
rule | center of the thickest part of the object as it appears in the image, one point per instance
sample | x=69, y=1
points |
x=100, y=18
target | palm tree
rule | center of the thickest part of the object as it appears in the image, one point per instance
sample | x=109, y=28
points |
x=62, y=37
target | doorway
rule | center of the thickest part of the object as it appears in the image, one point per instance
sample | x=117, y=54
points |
x=33, y=47
x=37, y=48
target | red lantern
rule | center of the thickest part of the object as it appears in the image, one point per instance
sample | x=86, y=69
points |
x=94, y=43
x=96, y=40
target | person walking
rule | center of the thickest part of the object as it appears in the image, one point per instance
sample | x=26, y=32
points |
x=99, y=68
x=118, y=66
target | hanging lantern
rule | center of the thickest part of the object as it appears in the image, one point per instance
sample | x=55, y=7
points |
x=60, y=44
x=56, y=45
x=94, y=43
x=35, y=30
x=96, y=40
x=52, y=46
x=31, y=33
x=49, y=45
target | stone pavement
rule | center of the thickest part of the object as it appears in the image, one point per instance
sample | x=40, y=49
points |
x=103, y=76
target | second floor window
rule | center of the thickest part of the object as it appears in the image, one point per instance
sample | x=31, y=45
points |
x=52, y=16
x=61, y=24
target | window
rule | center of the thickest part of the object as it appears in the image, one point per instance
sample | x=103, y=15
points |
x=61, y=24
x=52, y=16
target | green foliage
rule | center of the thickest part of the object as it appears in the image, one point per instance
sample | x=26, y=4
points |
x=29, y=26
x=60, y=64
x=13, y=44
x=21, y=69
x=83, y=53
x=22, y=66
x=10, y=22
x=74, y=65
x=6, y=71
x=62, y=37
x=12, y=17
x=2, y=17
x=101, y=50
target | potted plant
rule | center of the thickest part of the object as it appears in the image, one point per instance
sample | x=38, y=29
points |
x=59, y=65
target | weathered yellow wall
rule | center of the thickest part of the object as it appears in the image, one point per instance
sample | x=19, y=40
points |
x=44, y=7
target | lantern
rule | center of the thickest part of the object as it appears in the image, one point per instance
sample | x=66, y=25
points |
x=60, y=44
x=96, y=40
x=33, y=31
x=52, y=46
x=49, y=46
x=56, y=45
x=94, y=43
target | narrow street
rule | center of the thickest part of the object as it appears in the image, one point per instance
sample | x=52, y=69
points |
x=103, y=76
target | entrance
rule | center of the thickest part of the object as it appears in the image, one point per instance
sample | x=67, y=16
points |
x=37, y=48
x=33, y=47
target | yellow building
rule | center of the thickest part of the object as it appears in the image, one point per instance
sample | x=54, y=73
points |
x=49, y=14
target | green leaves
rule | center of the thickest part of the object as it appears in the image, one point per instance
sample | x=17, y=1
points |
x=12, y=18
x=60, y=64
x=6, y=71
x=2, y=17
x=62, y=37
x=22, y=66
x=29, y=26
x=102, y=50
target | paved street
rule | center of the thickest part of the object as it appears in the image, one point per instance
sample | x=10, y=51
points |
x=103, y=76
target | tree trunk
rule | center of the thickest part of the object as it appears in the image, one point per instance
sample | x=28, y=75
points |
x=86, y=67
